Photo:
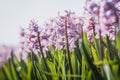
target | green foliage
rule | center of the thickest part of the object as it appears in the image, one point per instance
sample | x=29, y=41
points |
x=86, y=60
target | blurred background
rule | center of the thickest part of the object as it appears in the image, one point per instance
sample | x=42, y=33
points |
x=17, y=13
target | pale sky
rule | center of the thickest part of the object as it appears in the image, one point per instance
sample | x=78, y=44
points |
x=18, y=13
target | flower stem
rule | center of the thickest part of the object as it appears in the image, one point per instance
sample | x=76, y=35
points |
x=67, y=45
x=101, y=47
x=44, y=60
x=94, y=30
x=39, y=41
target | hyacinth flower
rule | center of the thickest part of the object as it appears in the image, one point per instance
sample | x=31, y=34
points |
x=37, y=38
x=102, y=16
x=55, y=28
x=33, y=39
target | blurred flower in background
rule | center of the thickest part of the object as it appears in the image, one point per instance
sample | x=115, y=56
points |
x=101, y=16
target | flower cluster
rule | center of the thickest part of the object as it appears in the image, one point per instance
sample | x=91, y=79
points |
x=56, y=31
x=53, y=33
x=101, y=16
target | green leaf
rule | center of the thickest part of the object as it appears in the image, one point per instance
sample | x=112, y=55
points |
x=13, y=71
x=85, y=41
x=83, y=68
x=33, y=67
x=74, y=65
x=2, y=74
x=108, y=72
x=64, y=66
x=39, y=73
x=14, y=67
x=7, y=72
x=29, y=71
x=94, y=54
x=118, y=41
x=52, y=68
x=77, y=52
x=96, y=51
x=85, y=48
